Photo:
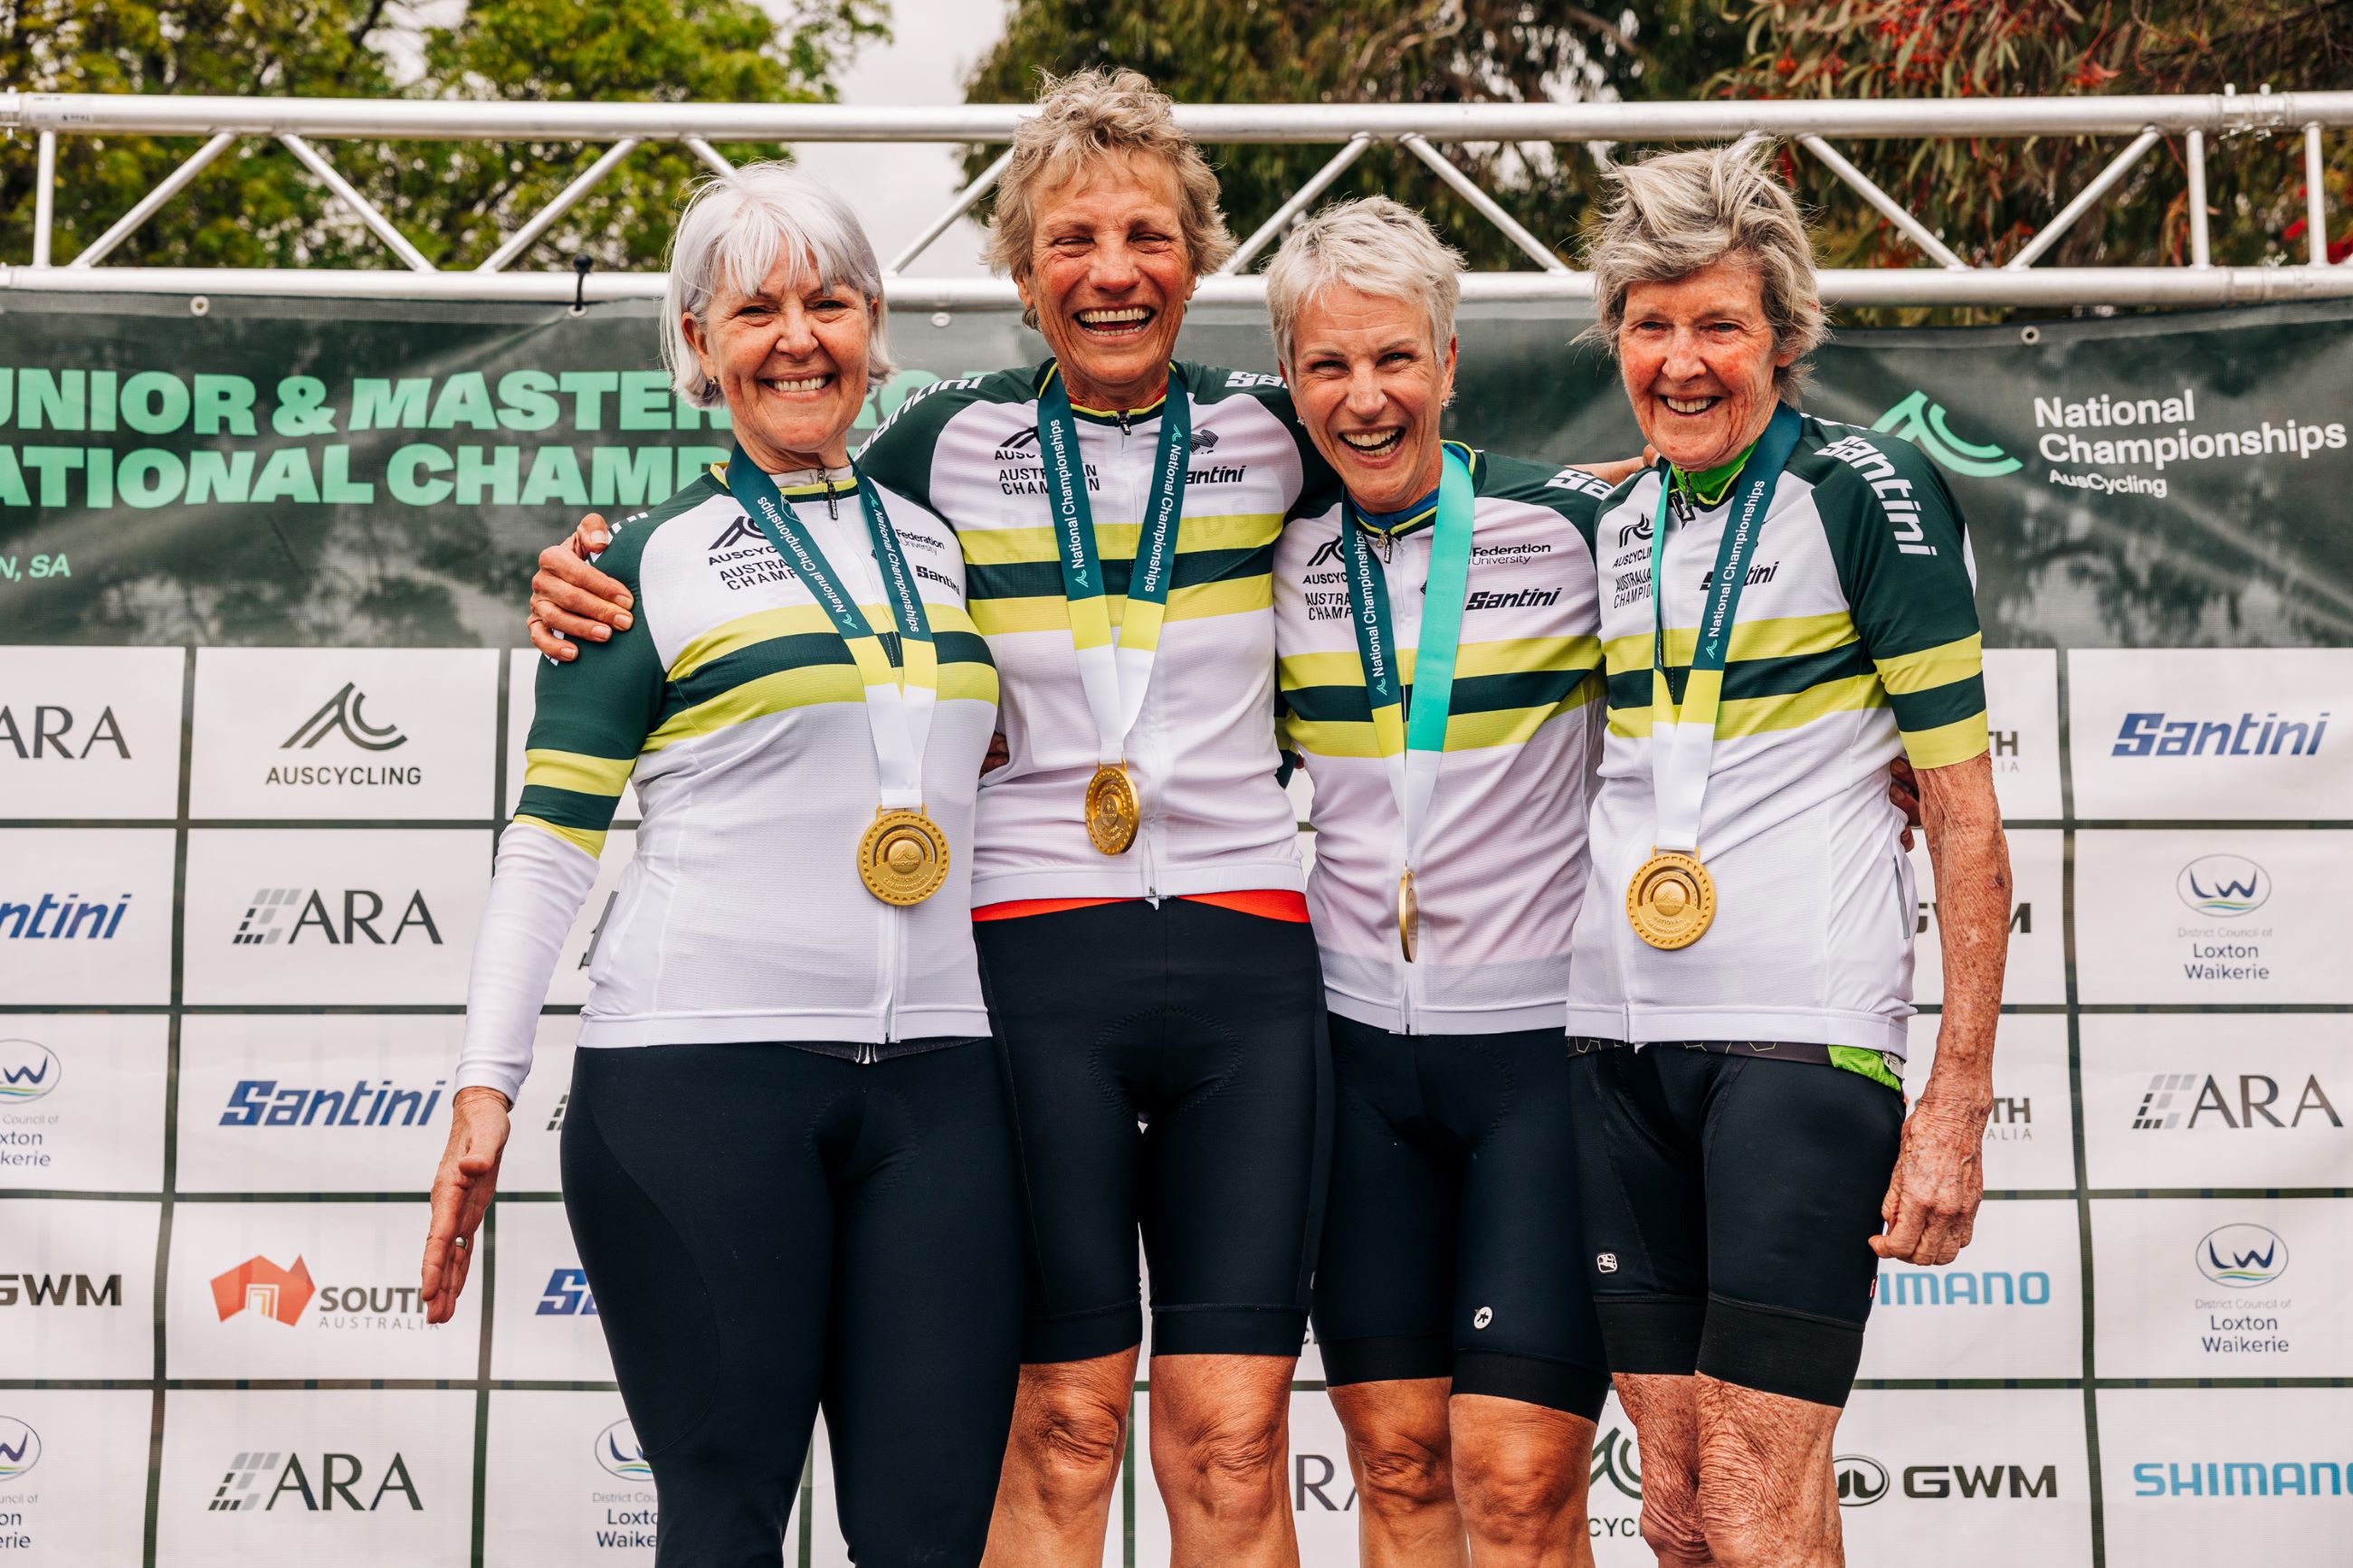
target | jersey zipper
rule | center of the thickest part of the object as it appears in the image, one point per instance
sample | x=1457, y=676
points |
x=1136, y=495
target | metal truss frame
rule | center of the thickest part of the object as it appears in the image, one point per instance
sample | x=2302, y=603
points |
x=1420, y=129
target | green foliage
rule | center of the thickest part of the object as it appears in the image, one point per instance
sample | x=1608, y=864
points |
x=256, y=206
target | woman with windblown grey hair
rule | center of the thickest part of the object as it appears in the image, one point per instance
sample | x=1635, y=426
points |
x=788, y=1160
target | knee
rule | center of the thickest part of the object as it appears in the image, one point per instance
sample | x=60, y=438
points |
x=1671, y=1525
x=1073, y=1441
x=1508, y=1496
x=1745, y=1523
x=1231, y=1463
x=1399, y=1474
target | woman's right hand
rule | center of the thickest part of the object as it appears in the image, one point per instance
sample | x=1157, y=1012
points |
x=570, y=599
x=462, y=1190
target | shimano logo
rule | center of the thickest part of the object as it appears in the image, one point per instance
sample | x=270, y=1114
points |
x=1961, y=1288
x=342, y=714
x=2160, y=734
x=1519, y=599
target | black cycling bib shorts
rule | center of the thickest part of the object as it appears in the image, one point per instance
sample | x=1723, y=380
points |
x=1453, y=1244
x=769, y=1230
x=1169, y=1072
x=1731, y=1191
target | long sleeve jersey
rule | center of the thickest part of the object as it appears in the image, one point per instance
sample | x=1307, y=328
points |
x=735, y=707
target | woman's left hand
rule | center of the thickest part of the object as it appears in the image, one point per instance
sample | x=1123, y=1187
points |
x=462, y=1190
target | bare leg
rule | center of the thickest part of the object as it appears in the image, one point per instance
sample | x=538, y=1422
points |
x=1665, y=1414
x=1397, y=1446
x=1220, y=1438
x=1768, y=1495
x=1061, y=1464
x=1520, y=1475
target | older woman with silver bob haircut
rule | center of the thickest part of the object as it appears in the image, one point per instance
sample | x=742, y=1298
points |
x=1745, y=861
x=1457, y=1333
x=788, y=1160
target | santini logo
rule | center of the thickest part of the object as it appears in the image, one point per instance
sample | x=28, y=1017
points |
x=567, y=1295
x=261, y=1102
x=343, y=713
x=27, y=1071
x=51, y=735
x=339, y=1475
x=74, y=918
x=2246, y=735
x=2223, y=885
x=361, y=910
x=258, y=1283
x=1519, y=599
x=2243, y=1256
x=20, y=1448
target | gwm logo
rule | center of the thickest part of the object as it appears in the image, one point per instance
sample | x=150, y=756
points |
x=258, y=1283
x=20, y=1448
x=1922, y=423
x=343, y=713
x=2223, y=885
x=618, y=1450
x=1861, y=1481
x=27, y=1071
x=2243, y=1256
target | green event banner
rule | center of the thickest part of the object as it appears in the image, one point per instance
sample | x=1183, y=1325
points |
x=337, y=473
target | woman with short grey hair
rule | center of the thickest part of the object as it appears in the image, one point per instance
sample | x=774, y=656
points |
x=788, y=1159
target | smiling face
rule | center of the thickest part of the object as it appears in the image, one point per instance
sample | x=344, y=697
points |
x=790, y=358
x=1698, y=359
x=1369, y=386
x=1108, y=276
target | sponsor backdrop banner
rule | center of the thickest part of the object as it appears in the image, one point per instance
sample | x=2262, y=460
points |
x=262, y=714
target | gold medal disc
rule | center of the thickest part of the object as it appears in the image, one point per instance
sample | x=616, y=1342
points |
x=1113, y=811
x=1671, y=902
x=1408, y=915
x=903, y=857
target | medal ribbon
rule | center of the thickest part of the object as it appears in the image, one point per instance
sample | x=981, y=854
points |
x=1411, y=745
x=1114, y=676
x=899, y=702
x=1682, y=739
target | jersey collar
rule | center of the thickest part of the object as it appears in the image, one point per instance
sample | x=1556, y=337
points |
x=1046, y=372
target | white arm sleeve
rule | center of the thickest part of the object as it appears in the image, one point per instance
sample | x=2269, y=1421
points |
x=535, y=895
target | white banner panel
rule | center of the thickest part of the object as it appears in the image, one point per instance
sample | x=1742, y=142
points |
x=2213, y=918
x=2037, y=970
x=314, y=1103
x=522, y=702
x=2229, y=735
x=2224, y=1288
x=546, y=1328
x=90, y=733
x=355, y=1477
x=85, y=916
x=2023, y=719
x=1613, y=1502
x=1962, y=1478
x=2029, y=1142
x=366, y=917
x=2010, y=1305
x=64, y=1456
x=81, y=1100
x=2217, y=1100
x=567, y=1482
x=341, y=734
x=2200, y=1478
x=79, y=1298
x=297, y=1289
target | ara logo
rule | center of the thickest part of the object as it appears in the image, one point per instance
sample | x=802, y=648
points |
x=1922, y=423
x=1617, y=1461
x=1862, y=1481
x=2223, y=885
x=2157, y=1110
x=567, y=1295
x=343, y=712
x=2243, y=1256
x=274, y=1293
x=50, y=734
x=362, y=907
x=740, y=532
x=618, y=1450
x=20, y=1448
x=27, y=1071
x=265, y=1482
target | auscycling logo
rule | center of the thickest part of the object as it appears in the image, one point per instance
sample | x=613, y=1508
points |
x=1922, y=423
x=341, y=712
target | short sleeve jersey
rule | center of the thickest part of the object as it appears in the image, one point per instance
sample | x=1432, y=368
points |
x=1502, y=865
x=1856, y=640
x=1202, y=751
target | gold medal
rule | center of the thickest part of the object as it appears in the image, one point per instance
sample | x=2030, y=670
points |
x=1671, y=900
x=1408, y=914
x=1113, y=811
x=903, y=857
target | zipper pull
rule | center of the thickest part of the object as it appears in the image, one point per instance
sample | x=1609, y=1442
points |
x=831, y=510
x=1388, y=547
x=1123, y=422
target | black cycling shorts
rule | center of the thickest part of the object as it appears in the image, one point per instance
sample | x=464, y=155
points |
x=769, y=1230
x=1453, y=1242
x=1729, y=1204
x=1205, y=1026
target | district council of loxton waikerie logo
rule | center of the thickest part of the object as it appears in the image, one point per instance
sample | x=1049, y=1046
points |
x=2223, y=885
x=2242, y=1257
x=618, y=1450
x=20, y=1448
x=1922, y=423
x=28, y=1070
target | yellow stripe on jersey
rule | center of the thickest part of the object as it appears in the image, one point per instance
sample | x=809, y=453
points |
x=1759, y=715
x=806, y=687
x=580, y=774
x=580, y=838
x=1051, y=612
x=1947, y=743
x=1464, y=731
x=1785, y=636
x=1504, y=656
x=1119, y=541
x=734, y=636
x=1934, y=667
